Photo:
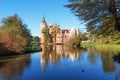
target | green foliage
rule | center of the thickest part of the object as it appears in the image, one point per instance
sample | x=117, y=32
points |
x=74, y=42
x=102, y=40
x=30, y=50
x=36, y=39
x=50, y=32
x=106, y=33
x=34, y=44
x=101, y=47
x=94, y=11
x=83, y=37
x=14, y=34
x=55, y=31
x=88, y=44
x=47, y=36
x=117, y=42
x=107, y=28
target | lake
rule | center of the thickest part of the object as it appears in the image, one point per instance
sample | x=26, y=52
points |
x=61, y=63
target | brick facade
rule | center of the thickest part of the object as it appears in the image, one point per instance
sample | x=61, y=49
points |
x=62, y=37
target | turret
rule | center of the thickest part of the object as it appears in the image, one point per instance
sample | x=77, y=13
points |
x=43, y=24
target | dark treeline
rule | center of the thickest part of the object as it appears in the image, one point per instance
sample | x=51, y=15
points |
x=14, y=36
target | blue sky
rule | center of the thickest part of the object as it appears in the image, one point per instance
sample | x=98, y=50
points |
x=32, y=11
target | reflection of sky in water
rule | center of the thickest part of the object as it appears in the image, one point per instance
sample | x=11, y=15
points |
x=1, y=77
x=84, y=65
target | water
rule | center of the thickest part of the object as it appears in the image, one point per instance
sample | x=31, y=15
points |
x=61, y=64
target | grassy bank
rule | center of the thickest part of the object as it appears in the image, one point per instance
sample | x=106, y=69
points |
x=110, y=47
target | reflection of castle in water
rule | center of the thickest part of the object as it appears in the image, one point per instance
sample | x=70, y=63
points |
x=53, y=54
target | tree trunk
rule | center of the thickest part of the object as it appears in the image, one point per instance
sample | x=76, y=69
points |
x=113, y=11
x=117, y=23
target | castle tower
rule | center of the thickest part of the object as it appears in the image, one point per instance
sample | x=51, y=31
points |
x=42, y=26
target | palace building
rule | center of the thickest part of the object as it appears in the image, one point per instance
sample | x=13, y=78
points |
x=62, y=37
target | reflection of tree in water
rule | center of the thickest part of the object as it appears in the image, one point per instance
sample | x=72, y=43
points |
x=93, y=55
x=44, y=56
x=2, y=64
x=108, y=62
x=74, y=53
x=48, y=55
x=53, y=54
x=116, y=58
x=118, y=77
x=14, y=66
x=106, y=57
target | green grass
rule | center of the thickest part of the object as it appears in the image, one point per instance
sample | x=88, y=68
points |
x=109, y=47
x=88, y=44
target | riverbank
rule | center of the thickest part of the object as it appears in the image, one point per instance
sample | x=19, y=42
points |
x=5, y=53
x=106, y=48
x=109, y=47
x=31, y=50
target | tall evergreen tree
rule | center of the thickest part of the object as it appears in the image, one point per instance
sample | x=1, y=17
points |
x=94, y=11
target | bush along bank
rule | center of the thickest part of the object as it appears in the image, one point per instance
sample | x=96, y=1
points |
x=30, y=50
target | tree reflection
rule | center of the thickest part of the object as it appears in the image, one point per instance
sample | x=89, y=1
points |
x=14, y=66
x=118, y=76
x=106, y=57
x=93, y=55
x=108, y=62
x=52, y=54
x=45, y=55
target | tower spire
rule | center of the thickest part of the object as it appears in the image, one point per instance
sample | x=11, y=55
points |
x=43, y=20
x=43, y=24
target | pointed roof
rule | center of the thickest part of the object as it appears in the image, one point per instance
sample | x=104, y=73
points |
x=43, y=21
x=72, y=29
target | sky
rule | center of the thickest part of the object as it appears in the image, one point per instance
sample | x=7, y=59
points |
x=32, y=12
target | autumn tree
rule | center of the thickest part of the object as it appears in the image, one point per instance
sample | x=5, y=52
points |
x=75, y=41
x=47, y=36
x=55, y=31
x=94, y=11
x=14, y=35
